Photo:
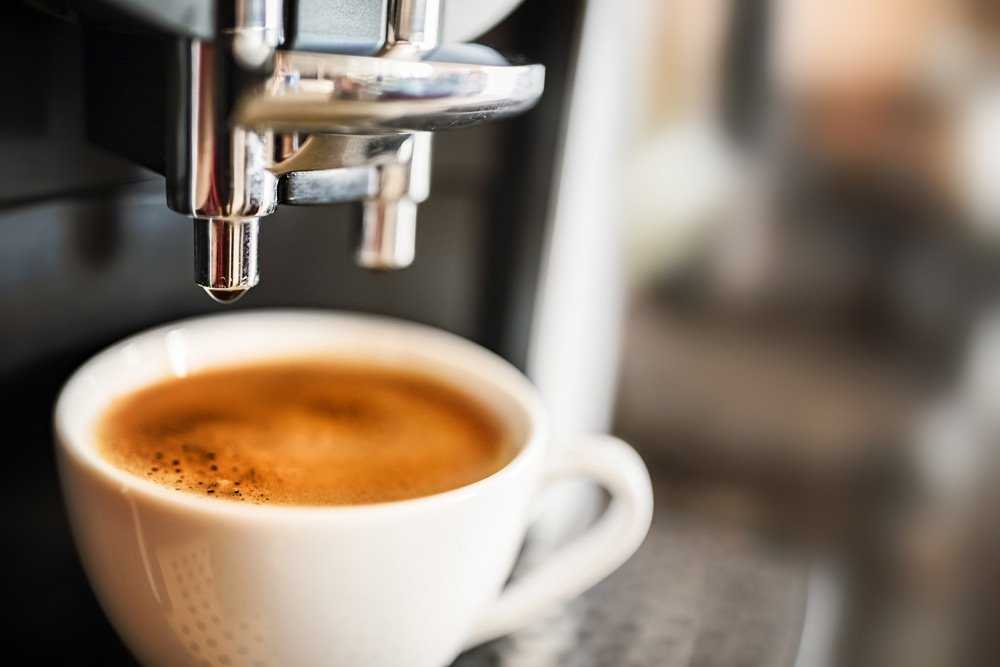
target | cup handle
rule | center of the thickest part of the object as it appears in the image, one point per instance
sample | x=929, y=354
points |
x=592, y=556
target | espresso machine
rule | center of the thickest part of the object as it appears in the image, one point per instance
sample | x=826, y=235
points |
x=252, y=122
x=256, y=115
x=288, y=148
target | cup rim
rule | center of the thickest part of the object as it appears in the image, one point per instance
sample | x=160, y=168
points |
x=511, y=382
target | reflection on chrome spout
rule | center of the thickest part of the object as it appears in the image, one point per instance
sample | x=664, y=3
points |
x=225, y=257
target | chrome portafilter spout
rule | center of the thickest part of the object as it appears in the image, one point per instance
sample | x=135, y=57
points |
x=387, y=235
x=256, y=125
x=219, y=172
x=225, y=257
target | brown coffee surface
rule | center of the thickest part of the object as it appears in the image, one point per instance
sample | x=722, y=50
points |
x=309, y=432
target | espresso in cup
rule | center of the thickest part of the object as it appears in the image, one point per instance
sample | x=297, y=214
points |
x=305, y=432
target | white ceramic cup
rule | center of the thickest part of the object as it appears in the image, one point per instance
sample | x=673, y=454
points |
x=187, y=579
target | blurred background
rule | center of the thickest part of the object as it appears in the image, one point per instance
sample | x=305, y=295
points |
x=758, y=239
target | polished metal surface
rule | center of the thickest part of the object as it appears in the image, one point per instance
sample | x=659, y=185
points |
x=255, y=20
x=324, y=151
x=225, y=257
x=414, y=28
x=342, y=93
x=390, y=173
x=219, y=172
x=328, y=186
x=256, y=125
x=216, y=171
x=387, y=234
x=339, y=26
x=419, y=186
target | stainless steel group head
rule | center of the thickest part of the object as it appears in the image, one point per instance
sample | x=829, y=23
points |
x=256, y=125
